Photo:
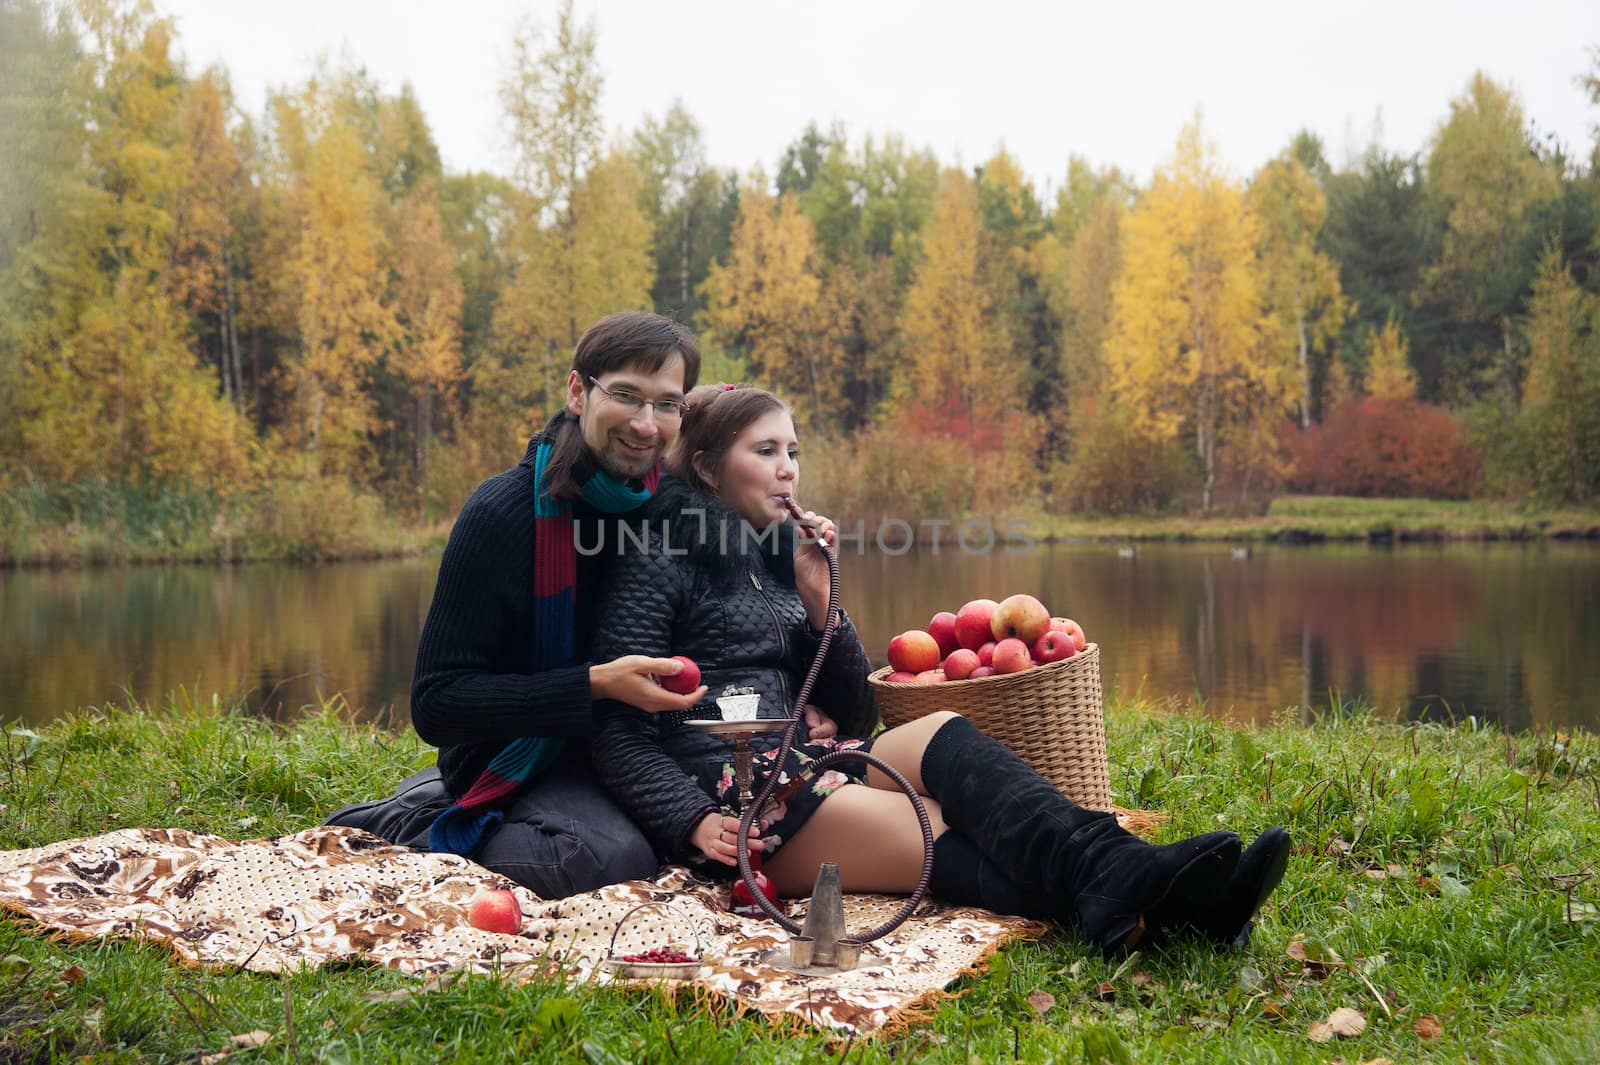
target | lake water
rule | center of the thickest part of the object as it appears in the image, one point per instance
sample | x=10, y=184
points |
x=1509, y=632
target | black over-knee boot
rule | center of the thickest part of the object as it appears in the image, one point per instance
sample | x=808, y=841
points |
x=965, y=876
x=1090, y=870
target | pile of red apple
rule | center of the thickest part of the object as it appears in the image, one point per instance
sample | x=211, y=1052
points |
x=983, y=639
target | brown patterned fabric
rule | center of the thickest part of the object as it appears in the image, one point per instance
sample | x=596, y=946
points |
x=339, y=895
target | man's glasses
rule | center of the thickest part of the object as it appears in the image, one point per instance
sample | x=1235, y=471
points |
x=633, y=402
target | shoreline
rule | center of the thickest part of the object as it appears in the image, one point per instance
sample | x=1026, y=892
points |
x=1305, y=520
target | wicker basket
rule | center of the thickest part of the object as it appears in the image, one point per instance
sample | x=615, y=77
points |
x=1049, y=715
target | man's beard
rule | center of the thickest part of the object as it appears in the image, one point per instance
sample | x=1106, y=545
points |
x=626, y=465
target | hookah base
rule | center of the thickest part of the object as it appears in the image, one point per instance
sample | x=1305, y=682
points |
x=781, y=957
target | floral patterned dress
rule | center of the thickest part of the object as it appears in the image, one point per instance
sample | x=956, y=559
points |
x=784, y=818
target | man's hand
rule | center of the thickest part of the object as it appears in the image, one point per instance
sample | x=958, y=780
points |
x=715, y=835
x=631, y=679
x=821, y=725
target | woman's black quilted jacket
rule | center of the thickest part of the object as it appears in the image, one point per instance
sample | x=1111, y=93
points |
x=706, y=585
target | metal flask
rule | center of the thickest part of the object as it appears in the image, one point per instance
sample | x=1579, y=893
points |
x=825, y=916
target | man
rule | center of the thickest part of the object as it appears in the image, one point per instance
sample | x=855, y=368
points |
x=502, y=685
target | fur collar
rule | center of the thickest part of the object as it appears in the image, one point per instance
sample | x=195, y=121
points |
x=715, y=535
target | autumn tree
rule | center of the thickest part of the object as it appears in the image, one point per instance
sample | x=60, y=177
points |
x=1560, y=415
x=1305, y=305
x=953, y=326
x=581, y=245
x=1389, y=373
x=766, y=303
x=1185, y=353
x=690, y=206
x=1486, y=179
x=1383, y=231
x=108, y=385
x=1078, y=261
x=332, y=292
x=426, y=295
x=201, y=278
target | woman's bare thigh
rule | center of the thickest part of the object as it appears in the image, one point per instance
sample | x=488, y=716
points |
x=903, y=747
x=873, y=835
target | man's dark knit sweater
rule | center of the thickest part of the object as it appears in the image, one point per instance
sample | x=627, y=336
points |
x=472, y=691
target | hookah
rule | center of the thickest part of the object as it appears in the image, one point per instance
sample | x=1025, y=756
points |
x=823, y=940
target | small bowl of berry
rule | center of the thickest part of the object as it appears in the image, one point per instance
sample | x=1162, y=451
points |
x=665, y=961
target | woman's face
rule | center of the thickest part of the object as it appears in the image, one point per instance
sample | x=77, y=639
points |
x=760, y=469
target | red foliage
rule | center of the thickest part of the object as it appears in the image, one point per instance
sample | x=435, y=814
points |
x=952, y=419
x=1386, y=447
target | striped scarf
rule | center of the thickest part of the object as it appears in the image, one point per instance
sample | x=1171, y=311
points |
x=462, y=828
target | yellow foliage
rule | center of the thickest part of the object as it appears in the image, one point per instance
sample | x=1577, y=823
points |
x=340, y=319
x=1185, y=354
x=766, y=301
x=1305, y=305
x=1389, y=374
x=952, y=330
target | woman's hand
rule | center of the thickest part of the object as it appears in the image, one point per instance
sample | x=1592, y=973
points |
x=631, y=679
x=821, y=725
x=716, y=835
x=811, y=566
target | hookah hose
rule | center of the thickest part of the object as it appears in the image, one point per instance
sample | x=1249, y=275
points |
x=742, y=844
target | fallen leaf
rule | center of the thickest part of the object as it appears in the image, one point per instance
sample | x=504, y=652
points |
x=72, y=974
x=1347, y=1022
x=1140, y=978
x=1271, y=1009
x=1379, y=1061
x=1105, y=990
x=1376, y=874
x=1428, y=1027
x=1396, y=871
x=1041, y=1001
x=238, y=1042
x=1317, y=957
x=1320, y=1032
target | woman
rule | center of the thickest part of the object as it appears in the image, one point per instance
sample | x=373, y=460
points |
x=724, y=579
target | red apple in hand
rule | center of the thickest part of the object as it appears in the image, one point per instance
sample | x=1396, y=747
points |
x=1053, y=646
x=943, y=630
x=973, y=623
x=913, y=651
x=496, y=911
x=685, y=680
x=1021, y=616
x=1011, y=656
x=960, y=663
x=1073, y=629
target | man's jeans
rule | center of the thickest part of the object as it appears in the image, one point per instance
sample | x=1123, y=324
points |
x=561, y=836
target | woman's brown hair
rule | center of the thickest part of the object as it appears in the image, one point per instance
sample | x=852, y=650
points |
x=717, y=415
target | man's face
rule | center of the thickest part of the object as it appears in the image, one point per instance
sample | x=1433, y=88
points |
x=627, y=442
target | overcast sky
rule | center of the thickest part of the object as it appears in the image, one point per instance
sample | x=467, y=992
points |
x=1111, y=82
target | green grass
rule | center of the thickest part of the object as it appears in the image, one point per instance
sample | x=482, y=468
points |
x=1337, y=518
x=1487, y=920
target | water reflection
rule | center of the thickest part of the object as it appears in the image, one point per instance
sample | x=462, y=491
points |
x=1498, y=630
x=277, y=635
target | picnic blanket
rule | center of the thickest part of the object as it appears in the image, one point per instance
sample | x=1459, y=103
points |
x=330, y=895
